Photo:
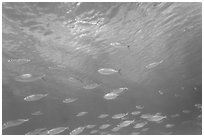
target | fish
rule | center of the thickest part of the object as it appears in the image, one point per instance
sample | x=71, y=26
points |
x=110, y=96
x=37, y=113
x=14, y=123
x=91, y=86
x=103, y=116
x=104, y=126
x=118, y=116
x=90, y=126
x=175, y=115
x=140, y=125
x=186, y=111
x=57, y=130
x=153, y=65
x=75, y=80
x=126, y=123
x=81, y=114
x=35, y=97
x=139, y=107
x=18, y=61
x=69, y=100
x=160, y=92
x=156, y=118
x=36, y=131
x=93, y=131
x=136, y=113
x=108, y=71
x=145, y=129
x=119, y=90
x=77, y=131
x=116, y=129
x=198, y=106
x=169, y=125
x=28, y=78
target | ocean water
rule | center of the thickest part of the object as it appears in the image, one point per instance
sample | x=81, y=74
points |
x=52, y=54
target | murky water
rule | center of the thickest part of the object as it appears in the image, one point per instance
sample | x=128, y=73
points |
x=83, y=51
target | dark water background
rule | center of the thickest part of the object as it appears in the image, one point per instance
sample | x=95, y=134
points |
x=64, y=40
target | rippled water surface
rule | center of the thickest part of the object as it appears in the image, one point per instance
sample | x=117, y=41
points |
x=58, y=50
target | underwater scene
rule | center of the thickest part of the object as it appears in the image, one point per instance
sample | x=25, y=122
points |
x=101, y=68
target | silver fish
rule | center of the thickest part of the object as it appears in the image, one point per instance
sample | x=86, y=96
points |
x=69, y=100
x=77, y=131
x=35, y=97
x=154, y=64
x=139, y=107
x=110, y=96
x=14, y=123
x=104, y=126
x=90, y=126
x=116, y=129
x=119, y=90
x=118, y=116
x=186, y=111
x=28, y=78
x=140, y=125
x=108, y=71
x=18, y=61
x=37, y=113
x=136, y=113
x=57, y=130
x=93, y=131
x=81, y=114
x=36, y=131
x=91, y=86
x=126, y=123
x=103, y=116
x=169, y=125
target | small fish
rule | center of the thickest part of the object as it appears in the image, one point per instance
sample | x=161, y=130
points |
x=116, y=129
x=18, y=61
x=198, y=106
x=75, y=80
x=69, y=100
x=145, y=129
x=160, y=92
x=110, y=96
x=108, y=71
x=153, y=65
x=77, y=131
x=14, y=123
x=37, y=113
x=93, y=131
x=28, y=78
x=119, y=90
x=91, y=86
x=186, y=111
x=119, y=116
x=126, y=123
x=35, y=97
x=156, y=118
x=140, y=125
x=139, y=107
x=81, y=114
x=175, y=115
x=90, y=126
x=57, y=130
x=104, y=126
x=103, y=116
x=136, y=113
x=36, y=131
x=169, y=125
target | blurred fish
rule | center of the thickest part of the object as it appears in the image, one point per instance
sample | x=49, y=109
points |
x=35, y=97
x=119, y=90
x=14, y=123
x=77, y=131
x=154, y=118
x=90, y=126
x=140, y=125
x=104, y=126
x=110, y=96
x=81, y=114
x=139, y=107
x=160, y=92
x=169, y=125
x=126, y=123
x=175, y=115
x=108, y=71
x=118, y=116
x=145, y=129
x=154, y=64
x=36, y=131
x=37, y=113
x=28, y=78
x=18, y=61
x=69, y=100
x=198, y=106
x=57, y=130
x=91, y=86
x=136, y=113
x=103, y=116
x=93, y=131
x=186, y=111
x=117, y=128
